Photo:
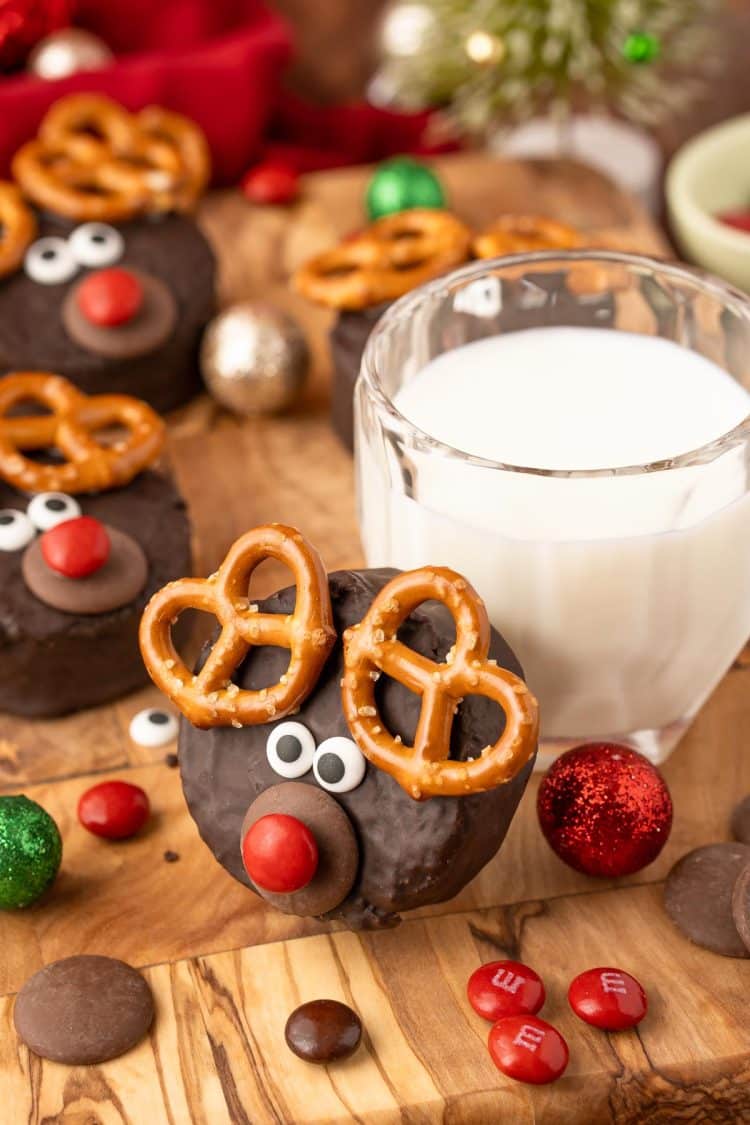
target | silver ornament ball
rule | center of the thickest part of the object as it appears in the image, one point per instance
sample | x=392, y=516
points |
x=67, y=52
x=254, y=358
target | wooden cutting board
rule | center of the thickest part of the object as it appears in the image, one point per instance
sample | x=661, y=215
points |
x=227, y=970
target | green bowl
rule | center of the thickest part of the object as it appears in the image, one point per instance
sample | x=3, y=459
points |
x=711, y=174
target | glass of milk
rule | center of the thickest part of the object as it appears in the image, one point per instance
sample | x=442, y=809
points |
x=572, y=433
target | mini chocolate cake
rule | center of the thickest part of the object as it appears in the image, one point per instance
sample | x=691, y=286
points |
x=152, y=355
x=60, y=660
x=348, y=337
x=382, y=852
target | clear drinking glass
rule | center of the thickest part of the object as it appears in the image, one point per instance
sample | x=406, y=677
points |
x=629, y=596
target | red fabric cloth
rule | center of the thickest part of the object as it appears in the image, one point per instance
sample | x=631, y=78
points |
x=221, y=63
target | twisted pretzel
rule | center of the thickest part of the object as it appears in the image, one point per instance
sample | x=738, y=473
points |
x=17, y=228
x=424, y=769
x=517, y=234
x=210, y=699
x=71, y=427
x=388, y=259
x=94, y=161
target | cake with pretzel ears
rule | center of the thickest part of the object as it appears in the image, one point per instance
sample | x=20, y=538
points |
x=105, y=277
x=355, y=745
x=364, y=274
x=89, y=529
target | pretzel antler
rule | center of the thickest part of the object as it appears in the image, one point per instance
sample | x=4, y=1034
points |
x=210, y=699
x=389, y=258
x=17, y=228
x=92, y=160
x=71, y=427
x=425, y=769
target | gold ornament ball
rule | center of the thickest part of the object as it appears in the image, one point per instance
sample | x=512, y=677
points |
x=254, y=358
x=67, y=52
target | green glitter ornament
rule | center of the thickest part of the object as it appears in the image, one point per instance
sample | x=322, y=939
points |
x=400, y=184
x=30, y=852
x=641, y=47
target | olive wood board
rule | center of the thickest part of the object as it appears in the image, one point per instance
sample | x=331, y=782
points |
x=226, y=969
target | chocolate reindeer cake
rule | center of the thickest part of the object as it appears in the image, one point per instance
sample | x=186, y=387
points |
x=88, y=531
x=354, y=746
x=364, y=274
x=104, y=276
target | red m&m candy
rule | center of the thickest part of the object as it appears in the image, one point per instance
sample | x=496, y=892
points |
x=77, y=547
x=280, y=853
x=110, y=297
x=740, y=220
x=504, y=988
x=270, y=183
x=608, y=998
x=114, y=809
x=528, y=1049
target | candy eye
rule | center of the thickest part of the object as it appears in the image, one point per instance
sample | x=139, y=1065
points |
x=153, y=727
x=50, y=261
x=290, y=749
x=48, y=509
x=96, y=244
x=339, y=765
x=16, y=530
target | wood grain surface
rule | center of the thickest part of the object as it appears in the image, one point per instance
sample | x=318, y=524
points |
x=227, y=970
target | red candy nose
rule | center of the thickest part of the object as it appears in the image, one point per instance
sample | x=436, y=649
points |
x=280, y=854
x=111, y=297
x=76, y=548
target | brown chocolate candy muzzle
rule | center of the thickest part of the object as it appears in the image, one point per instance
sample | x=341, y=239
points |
x=338, y=850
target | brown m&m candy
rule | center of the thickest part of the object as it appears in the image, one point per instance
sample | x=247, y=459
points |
x=741, y=905
x=323, y=1031
x=740, y=823
x=84, y=1010
x=698, y=896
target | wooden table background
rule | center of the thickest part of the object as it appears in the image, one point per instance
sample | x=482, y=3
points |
x=226, y=969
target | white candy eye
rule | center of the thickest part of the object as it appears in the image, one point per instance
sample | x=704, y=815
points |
x=48, y=509
x=96, y=244
x=50, y=261
x=153, y=727
x=290, y=749
x=339, y=765
x=16, y=530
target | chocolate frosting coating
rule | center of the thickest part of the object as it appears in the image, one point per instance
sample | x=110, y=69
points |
x=348, y=338
x=121, y=579
x=55, y=662
x=34, y=338
x=411, y=853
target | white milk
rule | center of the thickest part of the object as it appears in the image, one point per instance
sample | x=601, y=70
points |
x=625, y=597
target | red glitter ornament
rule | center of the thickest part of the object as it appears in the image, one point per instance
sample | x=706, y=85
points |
x=605, y=810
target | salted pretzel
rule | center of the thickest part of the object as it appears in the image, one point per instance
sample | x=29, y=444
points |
x=392, y=256
x=94, y=161
x=518, y=234
x=70, y=426
x=210, y=699
x=17, y=228
x=372, y=647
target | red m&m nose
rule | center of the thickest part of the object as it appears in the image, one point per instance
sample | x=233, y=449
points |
x=110, y=297
x=76, y=548
x=280, y=853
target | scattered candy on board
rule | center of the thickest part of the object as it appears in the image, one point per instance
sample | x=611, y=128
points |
x=270, y=182
x=115, y=810
x=505, y=988
x=153, y=727
x=740, y=220
x=254, y=358
x=528, y=1049
x=399, y=185
x=323, y=1031
x=608, y=998
x=604, y=810
x=83, y=1010
x=740, y=822
x=698, y=896
x=30, y=852
x=741, y=905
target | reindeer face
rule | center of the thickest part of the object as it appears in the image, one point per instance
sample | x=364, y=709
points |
x=134, y=331
x=380, y=851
